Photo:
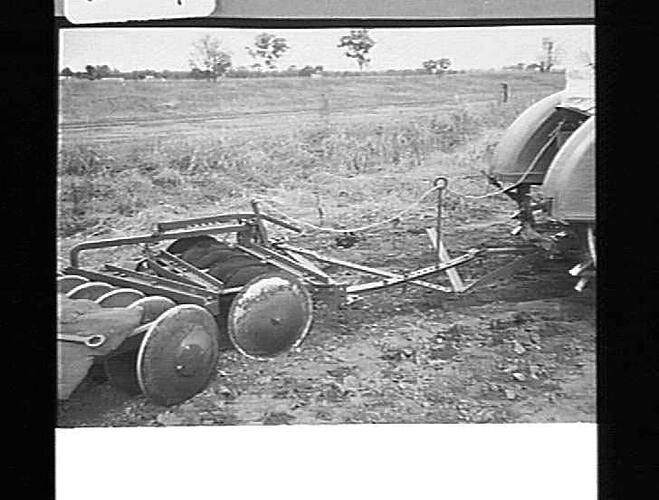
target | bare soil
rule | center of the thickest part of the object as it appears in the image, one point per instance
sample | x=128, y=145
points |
x=520, y=351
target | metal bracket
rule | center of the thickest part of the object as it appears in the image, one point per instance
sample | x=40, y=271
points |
x=92, y=341
x=453, y=275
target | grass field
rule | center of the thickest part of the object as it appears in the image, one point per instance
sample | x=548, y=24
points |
x=134, y=153
x=84, y=101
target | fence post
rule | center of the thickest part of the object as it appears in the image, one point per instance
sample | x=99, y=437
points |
x=325, y=108
x=505, y=92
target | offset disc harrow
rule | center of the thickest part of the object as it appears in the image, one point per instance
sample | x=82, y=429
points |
x=198, y=295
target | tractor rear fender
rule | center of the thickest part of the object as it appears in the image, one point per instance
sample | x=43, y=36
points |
x=570, y=181
x=524, y=139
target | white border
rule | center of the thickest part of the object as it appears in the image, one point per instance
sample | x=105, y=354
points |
x=467, y=461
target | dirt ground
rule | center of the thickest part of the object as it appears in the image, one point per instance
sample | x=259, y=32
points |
x=520, y=351
x=253, y=123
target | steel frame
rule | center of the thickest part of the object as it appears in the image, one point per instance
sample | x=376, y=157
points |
x=182, y=282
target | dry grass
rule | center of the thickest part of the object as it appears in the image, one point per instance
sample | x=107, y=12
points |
x=356, y=172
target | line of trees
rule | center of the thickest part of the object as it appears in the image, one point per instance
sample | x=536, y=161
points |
x=210, y=60
x=248, y=72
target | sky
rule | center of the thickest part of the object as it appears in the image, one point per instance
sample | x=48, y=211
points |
x=130, y=49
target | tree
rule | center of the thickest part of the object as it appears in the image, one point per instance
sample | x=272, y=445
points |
x=269, y=48
x=103, y=71
x=444, y=63
x=66, y=72
x=306, y=71
x=209, y=58
x=92, y=74
x=358, y=43
x=437, y=66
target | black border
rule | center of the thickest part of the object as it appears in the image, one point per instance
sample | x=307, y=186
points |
x=628, y=325
x=627, y=331
x=28, y=213
x=335, y=22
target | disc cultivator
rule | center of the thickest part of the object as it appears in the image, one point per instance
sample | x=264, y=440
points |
x=191, y=295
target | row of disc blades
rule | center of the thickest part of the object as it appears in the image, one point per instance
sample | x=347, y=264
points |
x=176, y=356
x=271, y=315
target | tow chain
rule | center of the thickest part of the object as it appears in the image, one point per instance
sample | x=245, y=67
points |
x=356, y=229
x=436, y=186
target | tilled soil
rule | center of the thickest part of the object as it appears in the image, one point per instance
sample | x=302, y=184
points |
x=520, y=351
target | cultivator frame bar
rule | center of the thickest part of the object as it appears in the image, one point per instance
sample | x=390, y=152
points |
x=252, y=240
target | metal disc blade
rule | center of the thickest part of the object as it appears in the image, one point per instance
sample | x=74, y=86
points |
x=215, y=256
x=245, y=274
x=121, y=369
x=271, y=314
x=67, y=283
x=153, y=307
x=183, y=244
x=123, y=297
x=178, y=354
x=231, y=265
x=92, y=290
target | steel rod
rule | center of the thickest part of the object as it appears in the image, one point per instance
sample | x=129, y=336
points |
x=148, y=238
x=419, y=273
x=364, y=269
x=280, y=260
x=163, y=272
x=211, y=280
x=159, y=280
x=215, y=219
